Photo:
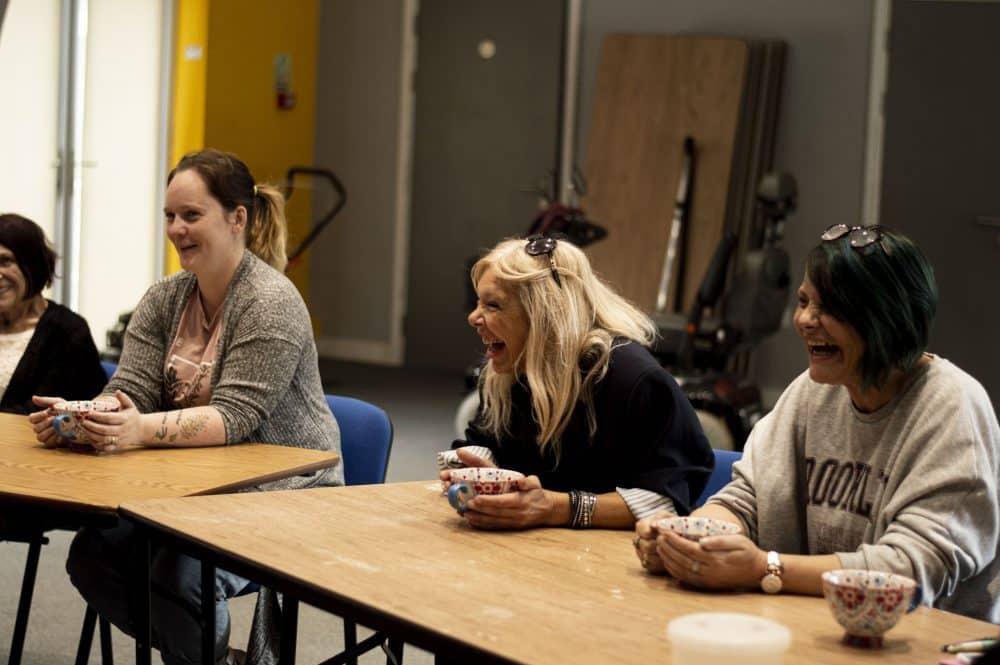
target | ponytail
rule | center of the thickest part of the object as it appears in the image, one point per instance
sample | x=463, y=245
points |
x=267, y=229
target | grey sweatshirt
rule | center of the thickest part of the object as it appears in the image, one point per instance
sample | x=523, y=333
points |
x=909, y=489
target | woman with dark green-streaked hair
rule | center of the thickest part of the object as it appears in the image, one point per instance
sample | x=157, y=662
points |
x=881, y=456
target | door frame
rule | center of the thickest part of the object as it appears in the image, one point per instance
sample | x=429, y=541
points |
x=395, y=352
x=878, y=80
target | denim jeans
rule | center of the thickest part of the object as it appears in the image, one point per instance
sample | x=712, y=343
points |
x=99, y=563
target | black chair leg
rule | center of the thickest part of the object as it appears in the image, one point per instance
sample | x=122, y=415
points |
x=24, y=604
x=107, y=651
x=86, y=636
x=350, y=639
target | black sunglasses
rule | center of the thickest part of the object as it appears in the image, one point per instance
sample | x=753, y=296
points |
x=858, y=236
x=538, y=245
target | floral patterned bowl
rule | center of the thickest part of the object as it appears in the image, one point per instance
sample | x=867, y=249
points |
x=69, y=419
x=867, y=603
x=696, y=528
x=467, y=483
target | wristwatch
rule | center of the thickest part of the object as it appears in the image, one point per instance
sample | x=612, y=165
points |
x=771, y=582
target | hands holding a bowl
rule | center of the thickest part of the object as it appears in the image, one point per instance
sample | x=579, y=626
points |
x=699, y=550
x=519, y=501
x=110, y=423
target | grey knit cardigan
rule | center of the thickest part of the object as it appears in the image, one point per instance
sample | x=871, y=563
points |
x=265, y=382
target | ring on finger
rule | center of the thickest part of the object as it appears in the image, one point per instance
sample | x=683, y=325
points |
x=112, y=440
x=696, y=567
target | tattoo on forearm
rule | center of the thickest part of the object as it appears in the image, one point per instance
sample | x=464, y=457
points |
x=193, y=425
x=173, y=437
x=161, y=433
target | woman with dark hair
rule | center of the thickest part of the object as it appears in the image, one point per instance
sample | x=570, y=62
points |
x=880, y=456
x=221, y=353
x=572, y=398
x=44, y=347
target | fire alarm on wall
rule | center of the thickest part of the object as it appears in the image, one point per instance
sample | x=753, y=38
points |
x=283, y=95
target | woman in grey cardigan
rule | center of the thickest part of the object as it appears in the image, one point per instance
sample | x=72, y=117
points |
x=221, y=353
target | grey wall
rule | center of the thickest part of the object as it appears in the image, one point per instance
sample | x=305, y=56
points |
x=484, y=130
x=823, y=118
x=358, y=80
x=821, y=135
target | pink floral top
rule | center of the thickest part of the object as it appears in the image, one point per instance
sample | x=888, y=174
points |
x=191, y=356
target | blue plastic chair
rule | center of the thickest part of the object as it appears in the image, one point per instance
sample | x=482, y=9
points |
x=109, y=368
x=365, y=439
x=721, y=474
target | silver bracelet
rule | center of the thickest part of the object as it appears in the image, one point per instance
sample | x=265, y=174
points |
x=588, y=501
x=574, y=509
x=581, y=509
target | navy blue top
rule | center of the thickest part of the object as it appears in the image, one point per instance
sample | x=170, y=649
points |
x=647, y=437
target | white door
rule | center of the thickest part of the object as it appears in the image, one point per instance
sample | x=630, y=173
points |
x=29, y=75
x=109, y=257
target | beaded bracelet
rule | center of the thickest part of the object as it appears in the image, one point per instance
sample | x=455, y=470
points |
x=581, y=509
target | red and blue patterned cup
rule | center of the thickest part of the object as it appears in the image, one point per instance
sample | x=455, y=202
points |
x=69, y=419
x=467, y=483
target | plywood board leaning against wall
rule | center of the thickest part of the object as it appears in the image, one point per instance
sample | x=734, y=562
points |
x=653, y=91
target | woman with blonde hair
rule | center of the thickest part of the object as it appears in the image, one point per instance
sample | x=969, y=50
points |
x=571, y=397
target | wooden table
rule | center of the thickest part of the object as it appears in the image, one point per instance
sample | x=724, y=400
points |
x=67, y=489
x=58, y=478
x=397, y=558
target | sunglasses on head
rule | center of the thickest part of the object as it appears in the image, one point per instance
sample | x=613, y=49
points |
x=859, y=237
x=538, y=245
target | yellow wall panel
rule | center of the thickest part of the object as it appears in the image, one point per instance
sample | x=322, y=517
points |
x=241, y=110
x=188, y=111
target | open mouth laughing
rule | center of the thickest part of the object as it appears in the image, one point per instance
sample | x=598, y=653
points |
x=494, y=347
x=822, y=351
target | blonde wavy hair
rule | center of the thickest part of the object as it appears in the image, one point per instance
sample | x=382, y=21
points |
x=572, y=330
x=230, y=182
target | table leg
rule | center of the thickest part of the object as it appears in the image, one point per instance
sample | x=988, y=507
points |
x=140, y=598
x=289, y=628
x=207, y=613
x=24, y=603
x=86, y=636
x=107, y=649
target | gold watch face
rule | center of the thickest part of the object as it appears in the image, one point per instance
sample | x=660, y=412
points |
x=771, y=583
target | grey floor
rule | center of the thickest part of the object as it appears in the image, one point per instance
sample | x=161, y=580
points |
x=422, y=406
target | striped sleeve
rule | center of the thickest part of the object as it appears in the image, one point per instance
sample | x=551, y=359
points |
x=448, y=459
x=644, y=503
